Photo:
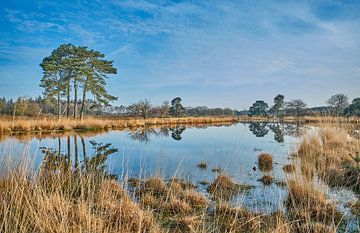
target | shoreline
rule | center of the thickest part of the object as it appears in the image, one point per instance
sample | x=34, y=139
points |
x=20, y=125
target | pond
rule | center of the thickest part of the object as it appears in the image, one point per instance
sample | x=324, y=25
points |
x=177, y=151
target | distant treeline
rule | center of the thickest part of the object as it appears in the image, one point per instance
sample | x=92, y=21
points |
x=27, y=106
x=338, y=105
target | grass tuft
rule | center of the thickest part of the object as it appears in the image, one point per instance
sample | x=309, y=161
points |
x=265, y=162
x=202, y=165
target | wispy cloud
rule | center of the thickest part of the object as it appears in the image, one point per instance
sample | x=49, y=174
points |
x=184, y=45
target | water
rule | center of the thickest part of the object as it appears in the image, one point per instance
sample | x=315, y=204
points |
x=234, y=149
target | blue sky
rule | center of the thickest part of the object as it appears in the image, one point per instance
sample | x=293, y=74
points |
x=214, y=53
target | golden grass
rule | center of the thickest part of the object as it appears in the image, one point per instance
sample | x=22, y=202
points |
x=289, y=168
x=306, y=204
x=238, y=219
x=51, y=124
x=267, y=180
x=175, y=203
x=225, y=188
x=44, y=124
x=355, y=208
x=333, y=155
x=67, y=203
x=265, y=162
x=75, y=202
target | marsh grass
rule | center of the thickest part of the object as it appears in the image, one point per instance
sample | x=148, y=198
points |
x=202, y=165
x=289, y=168
x=68, y=202
x=265, y=162
x=332, y=154
x=57, y=198
x=310, y=209
x=225, y=188
x=267, y=180
x=51, y=124
x=23, y=125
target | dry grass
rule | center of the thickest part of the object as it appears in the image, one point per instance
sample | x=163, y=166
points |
x=333, y=155
x=355, y=207
x=267, y=180
x=21, y=125
x=76, y=202
x=225, y=188
x=238, y=219
x=176, y=204
x=202, y=165
x=44, y=124
x=265, y=162
x=68, y=203
x=62, y=200
x=289, y=168
x=308, y=205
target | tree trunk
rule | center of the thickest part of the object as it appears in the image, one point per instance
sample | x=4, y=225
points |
x=58, y=106
x=75, y=98
x=68, y=100
x=83, y=100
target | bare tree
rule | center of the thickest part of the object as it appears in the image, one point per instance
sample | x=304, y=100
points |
x=141, y=108
x=338, y=103
x=297, y=106
x=165, y=109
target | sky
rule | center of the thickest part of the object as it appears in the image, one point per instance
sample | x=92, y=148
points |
x=215, y=53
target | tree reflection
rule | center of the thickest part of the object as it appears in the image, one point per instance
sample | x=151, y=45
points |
x=164, y=132
x=259, y=129
x=295, y=130
x=55, y=162
x=143, y=135
x=176, y=132
x=278, y=132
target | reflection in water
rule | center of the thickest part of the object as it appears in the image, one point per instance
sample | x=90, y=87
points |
x=144, y=134
x=28, y=136
x=68, y=157
x=176, y=133
x=54, y=162
x=295, y=130
x=278, y=132
x=260, y=129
